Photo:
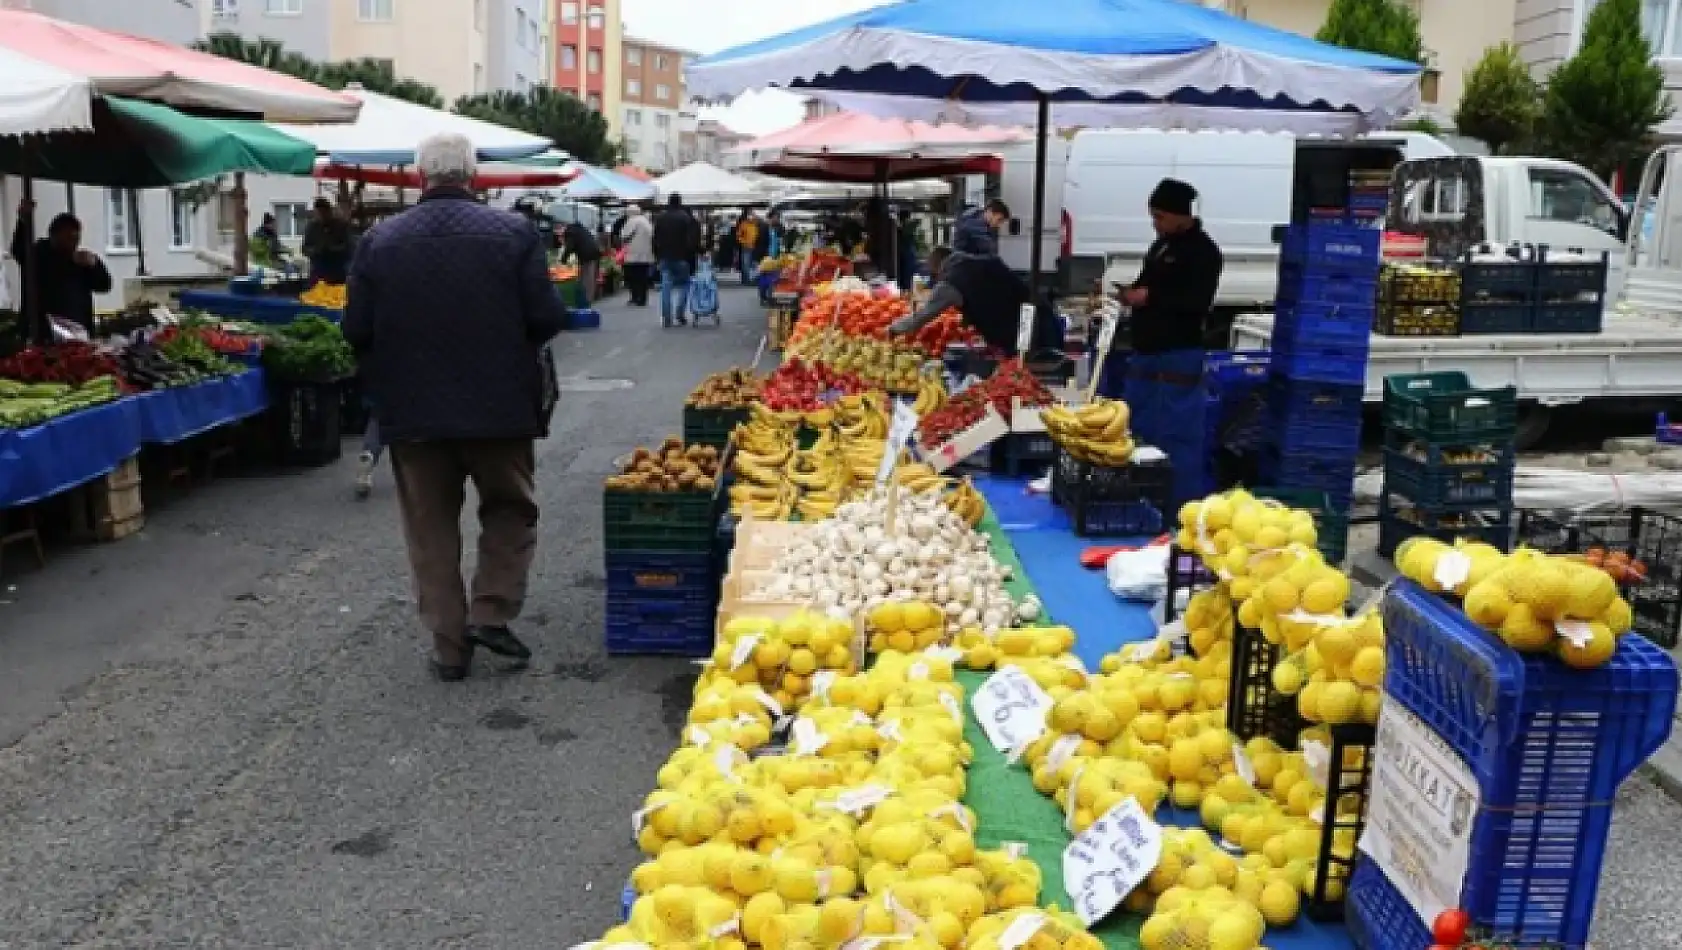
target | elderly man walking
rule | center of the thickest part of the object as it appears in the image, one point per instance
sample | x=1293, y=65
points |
x=449, y=307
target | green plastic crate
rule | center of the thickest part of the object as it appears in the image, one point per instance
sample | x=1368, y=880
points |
x=1331, y=528
x=711, y=426
x=1444, y=409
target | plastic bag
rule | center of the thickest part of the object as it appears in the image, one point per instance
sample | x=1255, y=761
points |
x=1140, y=575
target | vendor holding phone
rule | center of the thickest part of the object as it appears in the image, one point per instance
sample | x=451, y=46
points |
x=1171, y=300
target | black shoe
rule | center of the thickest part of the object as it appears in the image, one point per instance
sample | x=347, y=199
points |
x=682, y=322
x=499, y=640
x=446, y=673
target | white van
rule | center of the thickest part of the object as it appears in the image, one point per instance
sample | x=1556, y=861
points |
x=1245, y=181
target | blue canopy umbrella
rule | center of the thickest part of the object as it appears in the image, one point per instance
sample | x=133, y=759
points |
x=601, y=184
x=1137, y=63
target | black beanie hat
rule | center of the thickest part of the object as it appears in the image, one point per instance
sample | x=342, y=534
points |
x=1173, y=196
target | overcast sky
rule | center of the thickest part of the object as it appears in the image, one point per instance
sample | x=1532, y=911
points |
x=707, y=26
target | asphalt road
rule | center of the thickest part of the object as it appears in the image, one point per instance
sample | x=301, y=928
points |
x=221, y=733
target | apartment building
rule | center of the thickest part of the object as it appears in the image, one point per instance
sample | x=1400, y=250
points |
x=163, y=228
x=588, y=58
x=443, y=43
x=711, y=141
x=517, y=44
x=651, y=106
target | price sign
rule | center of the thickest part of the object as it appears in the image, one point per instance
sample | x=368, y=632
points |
x=1110, y=859
x=1025, y=329
x=900, y=430
x=1011, y=708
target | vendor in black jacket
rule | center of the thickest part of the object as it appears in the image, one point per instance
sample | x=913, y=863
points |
x=1171, y=300
x=65, y=277
x=988, y=294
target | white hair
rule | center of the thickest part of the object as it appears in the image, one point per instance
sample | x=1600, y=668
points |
x=445, y=159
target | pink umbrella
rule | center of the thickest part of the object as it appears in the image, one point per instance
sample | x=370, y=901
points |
x=116, y=64
x=849, y=146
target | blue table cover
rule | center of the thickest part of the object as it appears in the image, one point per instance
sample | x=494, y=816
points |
x=168, y=416
x=254, y=309
x=58, y=455
x=43, y=460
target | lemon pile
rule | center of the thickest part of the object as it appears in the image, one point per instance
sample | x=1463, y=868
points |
x=780, y=656
x=1536, y=603
x=1225, y=529
x=1012, y=645
x=1335, y=667
x=1051, y=930
x=905, y=626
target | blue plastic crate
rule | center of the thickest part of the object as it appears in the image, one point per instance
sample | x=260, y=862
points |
x=1306, y=325
x=1318, y=472
x=584, y=318
x=661, y=575
x=659, y=628
x=1297, y=284
x=1310, y=416
x=1439, y=483
x=1118, y=519
x=1548, y=746
x=1239, y=370
x=1333, y=247
x=1321, y=364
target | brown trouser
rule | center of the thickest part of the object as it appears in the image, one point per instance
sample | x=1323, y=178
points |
x=431, y=488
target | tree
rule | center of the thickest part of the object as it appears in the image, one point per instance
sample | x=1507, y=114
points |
x=1601, y=104
x=557, y=116
x=1375, y=26
x=1420, y=123
x=1500, y=103
x=374, y=75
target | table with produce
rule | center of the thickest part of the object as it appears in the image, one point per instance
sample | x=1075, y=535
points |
x=321, y=299
x=914, y=726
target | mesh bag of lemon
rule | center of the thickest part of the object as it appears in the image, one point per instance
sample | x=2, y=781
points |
x=781, y=656
x=1336, y=668
x=1535, y=602
x=1237, y=521
x=1012, y=644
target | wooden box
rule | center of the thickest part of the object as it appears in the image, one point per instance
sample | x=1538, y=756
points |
x=109, y=508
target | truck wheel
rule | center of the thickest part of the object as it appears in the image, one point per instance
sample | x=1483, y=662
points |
x=1533, y=423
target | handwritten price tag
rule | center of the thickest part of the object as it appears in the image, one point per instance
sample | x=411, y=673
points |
x=1011, y=708
x=1025, y=329
x=1110, y=859
x=900, y=430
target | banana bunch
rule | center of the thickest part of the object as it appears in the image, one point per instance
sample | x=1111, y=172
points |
x=1096, y=433
x=966, y=502
x=863, y=459
x=931, y=394
x=862, y=417
x=920, y=478
x=816, y=470
x=764, y=502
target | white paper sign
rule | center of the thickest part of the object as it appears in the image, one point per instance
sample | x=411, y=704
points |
x=1025, y=329
x=900, y=430
x=822, y=680
x=857, y=801
x=1318, y=758
x=1110, y=859
x=807, y=739
x=744, y=648
x=1106, y=332
x=1452, y=570
x=1575, y=632
x=1021, y=930
x=1011, y=708
x=1241, y=765
x=1423, y=807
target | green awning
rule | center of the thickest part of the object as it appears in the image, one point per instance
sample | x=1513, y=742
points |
x=138, y=144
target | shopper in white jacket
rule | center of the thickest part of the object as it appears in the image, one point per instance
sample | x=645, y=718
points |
x=637, y=238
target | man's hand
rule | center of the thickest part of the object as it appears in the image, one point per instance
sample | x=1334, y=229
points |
x=85, y=258
x=1135, y=296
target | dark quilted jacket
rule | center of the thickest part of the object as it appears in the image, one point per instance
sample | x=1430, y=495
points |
x=449, y=306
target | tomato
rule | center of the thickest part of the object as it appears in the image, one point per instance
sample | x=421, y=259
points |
x=1449, y=929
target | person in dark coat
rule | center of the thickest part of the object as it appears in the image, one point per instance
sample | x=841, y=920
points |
x=449, y=309
x=327, y=243
x=907, y=248
x=988, y=294
x=977, y=230
x=65, y=276
x=677, y=242
x=1171, y=300
x=578, y=243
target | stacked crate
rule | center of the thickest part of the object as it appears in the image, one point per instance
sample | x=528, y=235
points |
x=1570, y=295
x=1328, y=289
x=1448, y=461
x=1236, y=421
x=1415, y=300
x=662, y=577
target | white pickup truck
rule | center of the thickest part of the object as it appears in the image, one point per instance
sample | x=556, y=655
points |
x=1636, y=359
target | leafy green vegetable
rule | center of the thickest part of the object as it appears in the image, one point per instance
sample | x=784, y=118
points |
x=309, y=349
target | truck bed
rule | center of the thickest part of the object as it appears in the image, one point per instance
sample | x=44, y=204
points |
x=1639, y=353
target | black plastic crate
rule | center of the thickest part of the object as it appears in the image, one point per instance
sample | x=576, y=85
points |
x=1021, y=453
x=1567, y=317
x=1514, y=282
x=1075, y=478
x=1572, y=280
x=1444, y=409
x=1396, y=524
x=1490, y=317
x=1327, y=473
x=1331, y=531
x=1117, y=519
x=1442, y=480
x=1254, y=708
x=1349, y=780
x=711, y=426
x=1652, y=540
x=1187, y=575
x=304, y=419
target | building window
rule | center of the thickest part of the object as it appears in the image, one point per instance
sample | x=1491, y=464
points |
x=633, y=117
x=569, y=57
x=285, y=7
x=374, y=9
x=1429, y=82
x=569, y=13
x=1658, y=24
x=593, y=61
x=119, y=226
x=520, y=28
x=224, y=9
x=633, y=87
x=662, y=121
x=595, y=101
x=290, y=217
x=659, y=60
x=598, y=19
x=181, y=215
x=662, y=91
x=633, y=56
